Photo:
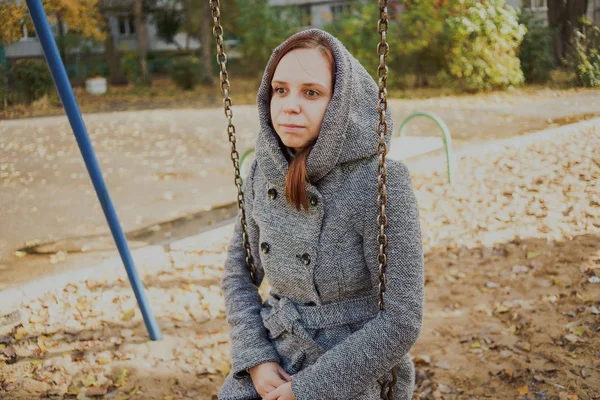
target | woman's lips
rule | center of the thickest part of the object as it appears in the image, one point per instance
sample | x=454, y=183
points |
x=291, y=128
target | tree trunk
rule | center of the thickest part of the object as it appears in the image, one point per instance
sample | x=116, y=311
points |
x=113, y=58
x=563, y=19
x=142, y=41
x=61, y=39
x=206, y=39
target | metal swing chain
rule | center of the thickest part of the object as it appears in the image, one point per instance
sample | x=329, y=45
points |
x=382, y=72
x=387, y=387
x=235, y=157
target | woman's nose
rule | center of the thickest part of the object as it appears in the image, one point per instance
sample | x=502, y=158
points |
x=291, y=104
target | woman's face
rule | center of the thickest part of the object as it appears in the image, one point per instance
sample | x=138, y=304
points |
x=302, y=89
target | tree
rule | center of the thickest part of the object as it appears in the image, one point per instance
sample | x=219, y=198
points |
x=81, y=16
x=169, y=20
x=11, y=15
x=564, y=18
x=142, y=40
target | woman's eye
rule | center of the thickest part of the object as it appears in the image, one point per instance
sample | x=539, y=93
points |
x=277, y=90
x=312, y=93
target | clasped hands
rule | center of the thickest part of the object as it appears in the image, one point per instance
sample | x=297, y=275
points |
x=272, y=382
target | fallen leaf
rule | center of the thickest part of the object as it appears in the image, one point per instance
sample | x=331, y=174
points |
x=121, y=376
x=525, y=346
x=594, y=279
x=96, y=391
x=20, y=333
x=585, y=373
x=523, y=390
x=578, y=330
x=532, y=254
x=134, y=390
x=128, y=315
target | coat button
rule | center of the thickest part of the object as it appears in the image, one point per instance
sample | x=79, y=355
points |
x=305, y=258
x=314, y=201
x=264, y=246
x=272, y=193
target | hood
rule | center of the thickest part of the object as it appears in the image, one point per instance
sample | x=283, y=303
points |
x=349, y=128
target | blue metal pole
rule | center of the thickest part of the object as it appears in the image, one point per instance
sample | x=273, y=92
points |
x=59, y=74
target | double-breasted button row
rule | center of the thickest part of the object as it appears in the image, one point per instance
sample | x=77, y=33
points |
x=305, y=258
x=272, y=192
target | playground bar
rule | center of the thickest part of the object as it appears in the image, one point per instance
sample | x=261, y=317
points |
x=59, y=74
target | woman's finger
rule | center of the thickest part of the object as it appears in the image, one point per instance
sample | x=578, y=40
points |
x=274, y=395
x=285, y=375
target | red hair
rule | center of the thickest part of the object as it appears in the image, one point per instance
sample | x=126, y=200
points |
x=296, y=175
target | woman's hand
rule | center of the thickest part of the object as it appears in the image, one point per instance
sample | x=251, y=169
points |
x=267, y=377
x=283, y=392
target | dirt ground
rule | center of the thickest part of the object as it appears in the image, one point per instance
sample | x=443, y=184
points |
x=512, y=297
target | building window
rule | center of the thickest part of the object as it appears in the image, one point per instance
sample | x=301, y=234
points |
x=305, y=15
x=126, y=25
x=339, y=9
x=536, y=4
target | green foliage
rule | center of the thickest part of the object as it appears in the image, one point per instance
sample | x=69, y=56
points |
x=421, y=28
x=357, y=29
x=169, y=20
x=260, y=28
x=480, y=46
x=535, y=51
x=586, y=60
x=33, y=77
x=186, y=72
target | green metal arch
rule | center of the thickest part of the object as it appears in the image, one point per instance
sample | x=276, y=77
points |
x=451, y=168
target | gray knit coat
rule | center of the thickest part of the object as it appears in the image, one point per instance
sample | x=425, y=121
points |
x=321, y=322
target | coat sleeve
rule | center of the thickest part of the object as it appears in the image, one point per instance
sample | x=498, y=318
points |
x=346, y=369
x=250, y=345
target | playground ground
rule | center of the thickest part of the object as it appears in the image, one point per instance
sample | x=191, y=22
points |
x=512, y=294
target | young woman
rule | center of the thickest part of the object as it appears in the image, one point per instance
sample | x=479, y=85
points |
x=311, y=207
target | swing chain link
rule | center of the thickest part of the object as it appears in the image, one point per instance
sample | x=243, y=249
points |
x=235, y=157
x=387, y=386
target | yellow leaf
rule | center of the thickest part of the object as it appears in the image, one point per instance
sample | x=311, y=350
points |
x=121, y=376
x=35, y=363
x=41, y=343
x=122, y=396
x=578, y=330
x=36, y=319
x=20, y=254
x=134, y=390
x=88, y=381
x=476, y=345
x=128, y=315
x=73, y=390
x=501, y=309
x=20, y=333
x=523, y=390
x=532, y=254
x=103, y=361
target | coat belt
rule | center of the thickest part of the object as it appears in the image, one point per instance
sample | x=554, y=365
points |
x=286, y=315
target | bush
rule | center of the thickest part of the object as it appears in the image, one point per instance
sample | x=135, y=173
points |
x=489, y=61
x=535, y=52
x=186, y=72
x=586, y=60
x=33, y=77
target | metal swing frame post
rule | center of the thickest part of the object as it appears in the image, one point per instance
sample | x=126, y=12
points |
x=61, y=80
